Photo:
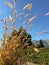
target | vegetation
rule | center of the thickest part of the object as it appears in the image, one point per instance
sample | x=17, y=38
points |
x=19, y=50
x=41, y=58
x=17, y=41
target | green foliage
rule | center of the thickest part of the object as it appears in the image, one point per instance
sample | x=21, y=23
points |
x=38, y=58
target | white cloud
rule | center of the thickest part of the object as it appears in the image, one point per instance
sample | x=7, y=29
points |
x=47, y=14
x=39, y=32
x=40, y=26
x=42, y=32
x=20, y=18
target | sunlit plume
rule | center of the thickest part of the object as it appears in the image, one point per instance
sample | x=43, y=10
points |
x=28, y=7
x=14, y=0
x=3, y=20
x=24, y=22
x=27, y=15
x=31, y=25
x=10, y=18
x=15, y=13
x=11, y=26
x=5, y=28
x=32, y=19
x=8, y=4
x=19, y=14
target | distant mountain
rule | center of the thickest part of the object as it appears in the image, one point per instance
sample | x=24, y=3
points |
x=36, y=43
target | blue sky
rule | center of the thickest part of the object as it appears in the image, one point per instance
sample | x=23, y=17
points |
x=38, y=6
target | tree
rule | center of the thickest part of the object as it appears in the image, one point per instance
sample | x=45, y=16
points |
x=41, y=43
